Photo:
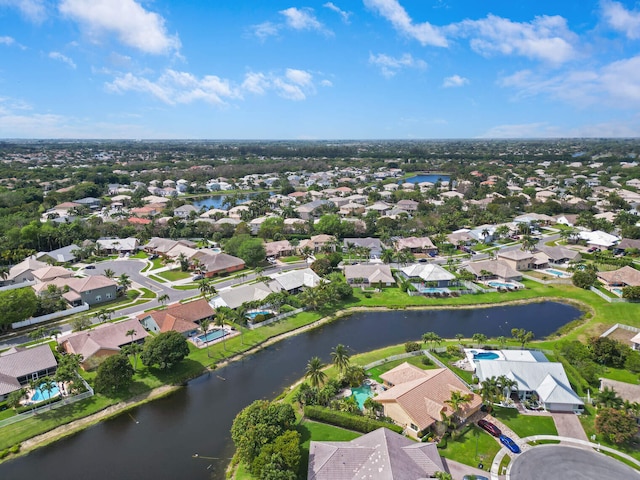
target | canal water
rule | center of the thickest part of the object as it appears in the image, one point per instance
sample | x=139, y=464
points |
x=186, y=435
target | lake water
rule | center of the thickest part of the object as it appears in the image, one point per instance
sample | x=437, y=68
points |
x=431, y=177
x=159, y=440
x=217, y=201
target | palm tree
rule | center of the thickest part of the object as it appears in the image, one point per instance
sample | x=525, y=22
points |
x=528, y=243
x=104, y=315
x=219, y=319
x=490, y=390
x=459, y=337
x=340, y=358
x=47, y=384
x=501, y=341
x=133, y=349
x=184, y=262
x=479, y=338
x=314, y=372
x=124, y=281
x=163, y=299
x=55, y=333
x=204, y=325
x=206, y=288
x=506, y=385
x=522, y=335
x=387, y=255
x=457, y=399
x=608, y=398
x=131, y=333
x=432, y=338
x=109, y=273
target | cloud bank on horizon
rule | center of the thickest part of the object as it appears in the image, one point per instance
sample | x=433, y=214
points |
x=403, y=69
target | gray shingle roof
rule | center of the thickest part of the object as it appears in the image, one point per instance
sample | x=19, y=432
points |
x=24, y=362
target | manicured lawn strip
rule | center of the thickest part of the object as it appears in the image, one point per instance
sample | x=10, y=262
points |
x=157, y=278
x=174, y=275
x=157, y=263
x=621, y=375
x=291, y=259
x=188, y=286
x=525, y=425
x=140, y=256
x=146, y=293
x=463, y=449
x=447, y=359
x=375, y=372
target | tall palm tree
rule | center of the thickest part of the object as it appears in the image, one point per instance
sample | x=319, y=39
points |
x=109, y=273
x=104, y=315
x=133, y=349
x=124, y=281
x=459, y=337
x=204, y=325
x=490, y=392
x=314, y=372
x=219, y=319
x=340, y=358
x=131, y=333
x=387, y=255
x=457, y=399
x=206, y=288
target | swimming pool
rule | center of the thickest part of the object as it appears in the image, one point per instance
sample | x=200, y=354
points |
x=211, y=335
x=362, y=393
x=495, y=284
x=40, y=394
x=485, y=356
x=252, y=315
x=557, y=273
x=617, y=291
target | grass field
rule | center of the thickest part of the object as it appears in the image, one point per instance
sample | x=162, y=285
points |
x=375, y=372
x=174, y=275
x=525, y=425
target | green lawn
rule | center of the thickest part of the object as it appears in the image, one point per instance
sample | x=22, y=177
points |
x=472, y=446
x=174, y=275
x=188, y=286
x=157, y=263
x=140, y=255
x=157, y=278
x=525, y=425
x=146, y=293
x=621, y=375
x=291, y=259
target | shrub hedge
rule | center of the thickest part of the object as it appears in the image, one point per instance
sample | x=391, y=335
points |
x=347, y=420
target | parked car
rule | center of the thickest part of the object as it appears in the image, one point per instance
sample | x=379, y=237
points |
x=90, y=267
x=153, y=257
x=509, y=443
x=489, y=427
x=422, y=260
x=197, y=276
x=474, y=477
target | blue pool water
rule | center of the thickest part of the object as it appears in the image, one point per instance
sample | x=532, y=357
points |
x=212, y=335
x=433, y=290
x=252, y=315
x=617, y=291
x=362, y=393
x=500, y=285
x=41, y=394
x=485, y=356
x=557, y=273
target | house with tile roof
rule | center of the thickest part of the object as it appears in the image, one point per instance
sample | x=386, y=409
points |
x=381, y=455
x=416, y=245
x=183, y=318
x=212, y=263
x=280, y=248
x=20, y=365
x=364, y=274
x=46, y=274
x=23, y=271
x=487, y=269
x=622, y=277
x=103, y=341
x=417, y=399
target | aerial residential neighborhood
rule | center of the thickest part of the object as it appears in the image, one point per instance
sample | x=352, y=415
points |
x=119, y=288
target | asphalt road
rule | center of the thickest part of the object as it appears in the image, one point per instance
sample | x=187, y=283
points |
x=556, y=462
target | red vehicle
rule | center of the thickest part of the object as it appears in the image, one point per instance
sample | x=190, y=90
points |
x=490, y=427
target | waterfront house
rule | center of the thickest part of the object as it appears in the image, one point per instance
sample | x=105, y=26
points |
x=417, y=399
x=184, y=318
x=380, y=454
x=428, y=273
x=366, y=275
x=622, y=277
x=20, y=365
x=103, y=341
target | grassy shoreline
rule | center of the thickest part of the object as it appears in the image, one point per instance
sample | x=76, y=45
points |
x=235, y=349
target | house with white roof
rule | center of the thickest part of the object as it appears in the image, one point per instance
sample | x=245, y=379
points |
x=533, y=374
x=428, y=273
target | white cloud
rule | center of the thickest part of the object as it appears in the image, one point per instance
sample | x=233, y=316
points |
x=302, y=19
x=34, y=10
x=265, y=29
x=545, y=38
x=621, y=19
x=389, y=66
x=425, y=33
x=455, y=81
x=616, y=84
x=128, y=20
x=7, y=41
x=62, y=58
x=344, y=15
x=176, y=88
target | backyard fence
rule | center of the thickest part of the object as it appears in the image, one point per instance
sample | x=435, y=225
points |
x=62, y=313
x=13, y=286
x=251, y=325
x=51, y=406
x=392, y=358
x=606, y=297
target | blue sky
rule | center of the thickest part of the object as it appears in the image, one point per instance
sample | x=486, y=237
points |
x=357, y=69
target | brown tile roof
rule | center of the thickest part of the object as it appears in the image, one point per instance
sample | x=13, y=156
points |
x=181, y=317
x=424, y=399
x=48, y=273
x=111, y=336
x=627, y=275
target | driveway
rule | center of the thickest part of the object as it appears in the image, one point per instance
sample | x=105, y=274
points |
x=459, y=470
x=568, y=425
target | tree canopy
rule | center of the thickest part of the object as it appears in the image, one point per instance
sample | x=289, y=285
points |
x=114, y=374
x=17, y=305
x=164, y=350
